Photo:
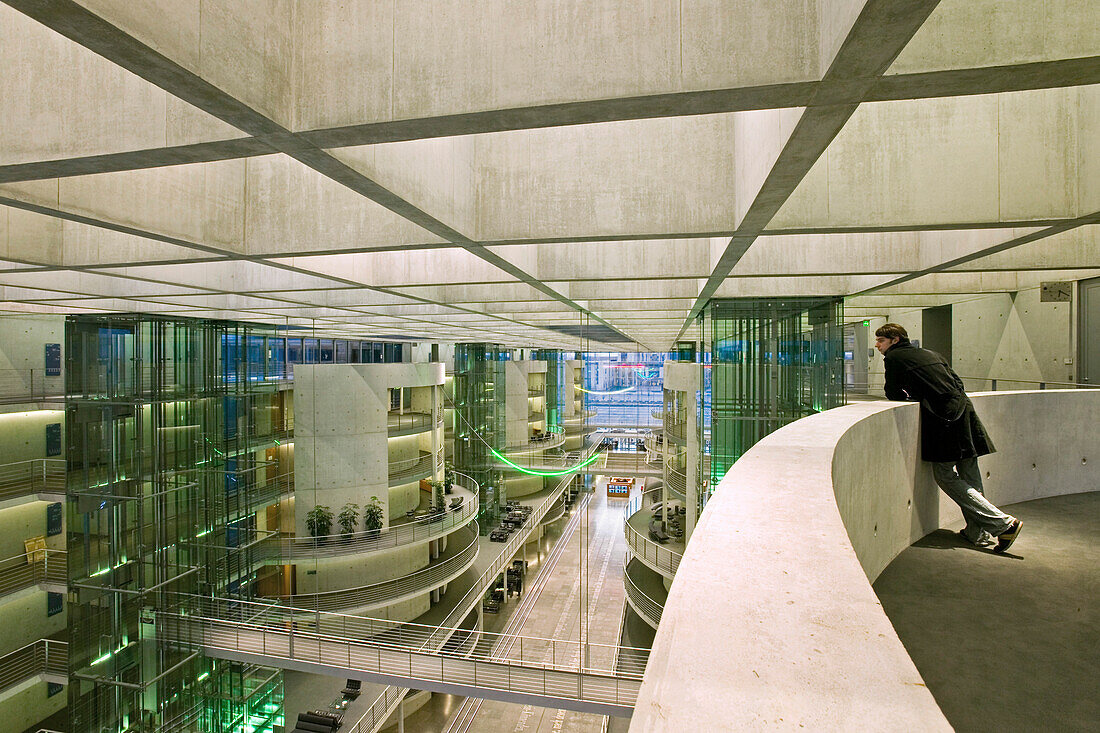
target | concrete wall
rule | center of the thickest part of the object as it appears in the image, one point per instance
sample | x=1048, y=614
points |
x=26, y=704
x=793, y=631
x=23, y=434
x=341, y=444
x=23, y=342
x=1004, y=335
x=23, y=619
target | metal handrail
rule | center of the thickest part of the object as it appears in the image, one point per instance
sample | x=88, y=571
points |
x=879, y=380
x=391, y=591
x=553, y=438
x=44, y=656
x=29, y=384
x=648, y=608
x=529, y=651
x=397, y=422
x=422, y=529
x=676, y=480
x=34, y=476
x=37, y=567
x=657, y=556
x=409, y=469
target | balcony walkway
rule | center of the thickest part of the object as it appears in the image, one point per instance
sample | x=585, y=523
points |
x=1041, y=599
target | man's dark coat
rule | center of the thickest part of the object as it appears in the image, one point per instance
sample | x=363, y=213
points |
x=950, y=429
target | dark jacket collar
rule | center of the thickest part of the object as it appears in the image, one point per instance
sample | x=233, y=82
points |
x=901, y=344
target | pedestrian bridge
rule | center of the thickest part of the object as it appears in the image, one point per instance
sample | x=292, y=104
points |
x=592, y=678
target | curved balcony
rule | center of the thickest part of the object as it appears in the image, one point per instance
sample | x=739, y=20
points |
x=459, y=556
x=409, y=423
x=676, y=432
x=411, y=469
x=663, y=558
x=645, y=592
x=402, y=532
x=762, y=636
x=556, y=512
x=536, y=416
x=554, y=437
x=535, y=391
x=659, y=413
x=677, y=481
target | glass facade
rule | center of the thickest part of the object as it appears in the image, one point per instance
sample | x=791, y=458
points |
x=479, y=422
x=772, y=361
x=174, y=468
x=624, y=389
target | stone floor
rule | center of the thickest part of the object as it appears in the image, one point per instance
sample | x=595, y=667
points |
x=1009, y=642
x=554, y=614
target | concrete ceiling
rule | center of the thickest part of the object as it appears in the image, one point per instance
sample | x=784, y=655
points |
x=571, y=173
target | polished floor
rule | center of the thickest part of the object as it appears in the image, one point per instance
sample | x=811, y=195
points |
x=1008, y=642
x=592, y=538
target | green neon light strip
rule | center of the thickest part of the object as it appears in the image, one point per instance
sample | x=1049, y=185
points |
x=531, y=472
x=618, y=391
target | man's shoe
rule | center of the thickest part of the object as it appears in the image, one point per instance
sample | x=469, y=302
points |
x=984, y=540
x=1006, y=538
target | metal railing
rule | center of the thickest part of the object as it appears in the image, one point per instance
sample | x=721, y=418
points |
x=676, y=431
x=648, y=608
x=653, y=554
x=379, y=710
x=37, y=567
x=410, y=469
x=35, y=476
x=554, y=437
x=397, y=589
x=677, y=480
x=44, y=656
x=876, y=382
x=408, y=422
x=422, y=529
x=556, y=668
x=29, y=384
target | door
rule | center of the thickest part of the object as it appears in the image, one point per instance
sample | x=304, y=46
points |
x=936, y=330
x=1088, y=332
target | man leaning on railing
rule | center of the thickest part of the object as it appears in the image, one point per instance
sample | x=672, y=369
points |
x=952, y=436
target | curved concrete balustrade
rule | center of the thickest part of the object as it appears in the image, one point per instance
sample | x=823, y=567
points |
x=771, y=620
x=388, y=592
x=646, y=598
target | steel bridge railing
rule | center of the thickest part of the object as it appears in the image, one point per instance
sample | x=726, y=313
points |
x=553, y=667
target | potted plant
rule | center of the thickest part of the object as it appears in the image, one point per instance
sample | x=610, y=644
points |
x=372, y=516
x=348, y=518
x=448, y=477
x=437, y=496
x=319, y=521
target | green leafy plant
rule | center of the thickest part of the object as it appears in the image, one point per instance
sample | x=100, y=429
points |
x=372, y=515
x=348, y=517
x=319, y=520
x=448, y=477
x=437, y=495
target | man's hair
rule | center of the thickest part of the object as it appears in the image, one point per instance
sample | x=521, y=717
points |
x=892, y=331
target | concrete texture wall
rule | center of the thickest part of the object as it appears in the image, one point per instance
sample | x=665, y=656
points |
x=21, y=522
x=24, y=705
x=23, y=434
x=803, y=639
x=1008, y=335
x=23, y=342
x=341, y=439
x=23, y=619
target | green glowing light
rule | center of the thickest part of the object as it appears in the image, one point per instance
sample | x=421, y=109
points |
x=202, y=676
x=866, y=322
x=617, y=391
x=531, y=472
x=104, y=658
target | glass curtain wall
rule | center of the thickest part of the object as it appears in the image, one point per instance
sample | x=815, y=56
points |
x=480, y=422
x=172, y=426
x=772, y=361
x=624, y=389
